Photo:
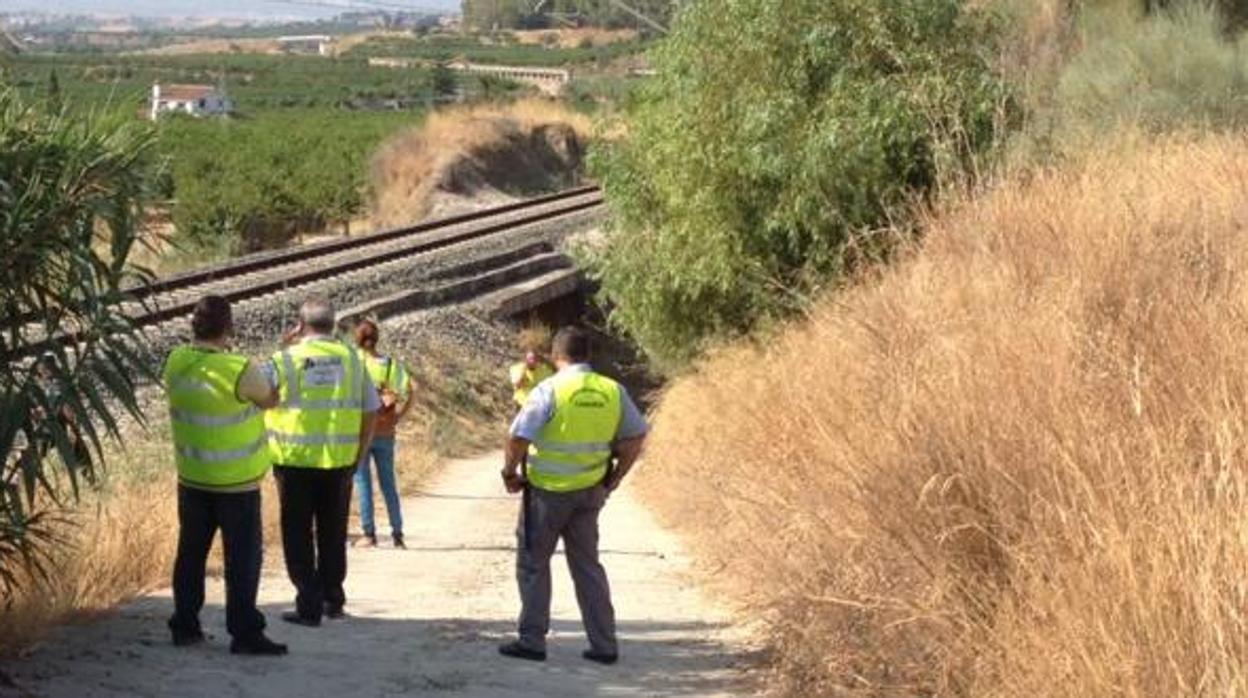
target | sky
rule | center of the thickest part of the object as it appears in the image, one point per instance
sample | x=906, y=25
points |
x=209, y=8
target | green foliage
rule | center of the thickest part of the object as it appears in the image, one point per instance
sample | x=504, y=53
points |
x=242, y=185
x=1171, y=69
x=774, y=134
x=294, y=159
x=255, y=83
x=71, y=192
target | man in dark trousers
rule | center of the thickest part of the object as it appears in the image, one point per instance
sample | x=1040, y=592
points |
x=215, y=398
x=323, y=423
x=572, y=427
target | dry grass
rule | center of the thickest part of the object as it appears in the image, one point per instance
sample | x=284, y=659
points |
x=121, y=541
x=463, y=150
x=1011, y=465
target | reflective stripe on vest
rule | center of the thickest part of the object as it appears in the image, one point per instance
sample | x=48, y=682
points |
x=218, y=439
x=321, y=389
x=572, y=450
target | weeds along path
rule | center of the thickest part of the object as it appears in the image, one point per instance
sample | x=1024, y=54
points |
x=424, y=621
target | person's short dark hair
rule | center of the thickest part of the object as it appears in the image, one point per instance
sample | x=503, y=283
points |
x=317, y=313
x=572, y=343
x=367, y=334
x=212, y=318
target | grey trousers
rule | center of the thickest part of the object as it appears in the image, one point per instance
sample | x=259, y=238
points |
x=574, y=517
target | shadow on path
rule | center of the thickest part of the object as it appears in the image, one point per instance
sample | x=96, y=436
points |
x=129, y=655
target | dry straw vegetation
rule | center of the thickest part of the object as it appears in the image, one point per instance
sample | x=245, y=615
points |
x=483, y=150
x=1011, y=462
x=1012, y=465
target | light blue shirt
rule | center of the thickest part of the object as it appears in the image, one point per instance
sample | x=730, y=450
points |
x=372, y=401
x=540, y=409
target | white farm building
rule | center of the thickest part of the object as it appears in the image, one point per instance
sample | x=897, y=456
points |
x=195, y=100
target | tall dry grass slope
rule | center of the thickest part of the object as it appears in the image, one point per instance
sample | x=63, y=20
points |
x=490, y=152
x=1013, y=464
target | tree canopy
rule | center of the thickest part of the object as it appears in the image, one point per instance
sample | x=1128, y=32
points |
x=773, y=139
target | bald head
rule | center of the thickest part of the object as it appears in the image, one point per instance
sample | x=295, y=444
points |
x=317, y=314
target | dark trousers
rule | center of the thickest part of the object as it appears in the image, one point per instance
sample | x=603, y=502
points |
x=544, y=519
x=315, y=507
x=200, y=514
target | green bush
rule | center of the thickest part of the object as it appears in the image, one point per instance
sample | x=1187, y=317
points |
x=72, y=192
x=773, y=135
x=1171, y=69
x=247, y=184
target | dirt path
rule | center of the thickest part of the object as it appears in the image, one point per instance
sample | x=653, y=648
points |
x=425, y=621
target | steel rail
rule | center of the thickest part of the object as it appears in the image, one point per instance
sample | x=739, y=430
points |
x=431, y=240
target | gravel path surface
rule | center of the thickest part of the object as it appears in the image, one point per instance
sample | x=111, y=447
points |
x=426, y=621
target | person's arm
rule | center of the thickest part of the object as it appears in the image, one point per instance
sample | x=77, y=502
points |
x=629, y=440
x=411, y=397
x=513, y=456
x=626, y=452
x=519, y=377
x=256, y=388
x=368, y=420
x=524, y=429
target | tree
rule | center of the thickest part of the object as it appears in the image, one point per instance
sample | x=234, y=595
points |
x=71, y=191
x=773, y=136
x=443, y=83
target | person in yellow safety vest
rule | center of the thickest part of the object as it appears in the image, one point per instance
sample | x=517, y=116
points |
x=525, y=375
x=572, y=428
x=394, y=384
x=215, y=398
x=321, y=427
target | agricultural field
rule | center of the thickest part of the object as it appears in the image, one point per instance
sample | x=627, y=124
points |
x=292, y=159
x=255, y=83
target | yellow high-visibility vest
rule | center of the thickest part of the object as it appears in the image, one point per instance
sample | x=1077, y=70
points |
x=534, y=375
x=388, y=373
x=573, y=449
x=321, y=390
x=218, y=438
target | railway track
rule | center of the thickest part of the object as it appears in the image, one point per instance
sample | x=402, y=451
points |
x=285, y=271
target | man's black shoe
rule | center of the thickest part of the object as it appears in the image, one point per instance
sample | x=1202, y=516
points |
x=398, y=542
x=187, y=638
x=294, y=617
x=519, y=651
x=600, y=657
x=335, y=612
x=258, y=646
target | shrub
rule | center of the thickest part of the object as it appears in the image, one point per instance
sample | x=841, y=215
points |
x=249, y=184
x=749, y=170
x=71, y=196
x=1012, y=464
x=1174, y=68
